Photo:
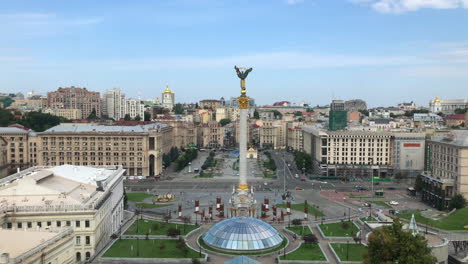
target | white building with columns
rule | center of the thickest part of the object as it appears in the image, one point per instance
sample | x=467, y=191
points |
x=88, y=200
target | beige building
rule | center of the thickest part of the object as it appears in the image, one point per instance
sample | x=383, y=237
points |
x=17, y=149
x=3, y=158
x=205, y=115
x=210, y=135
x=447, y=168
x=349, y=153
x=295, y=140
x=37, y=247
x=138, y=149
x=210, y=104
x=222, y=113
x=75, y=98
x=31, y=104
x=183, y=133
x=87, y=200
x=71, y=114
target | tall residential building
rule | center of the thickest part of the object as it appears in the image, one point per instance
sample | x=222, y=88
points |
x=447, y=107
x=168, y=98
x=363, y=153
x=134, y=108
x=112, y=103
x=117, y=107
x=87, y=201
x=447, y=169
x=338, y=116
x=75, y=98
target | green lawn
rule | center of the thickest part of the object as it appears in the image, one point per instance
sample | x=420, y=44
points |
x=455, y=221
x=148, y=205
x=337, y=230
x=355, y=251
x=306, y=252
x=137, y=197
x=300, y=207
x=352, y=195
x=369, y=219
x=271, y=175
x=148, y=248
x=156, y=228
x=300, y=230
x=382, y=203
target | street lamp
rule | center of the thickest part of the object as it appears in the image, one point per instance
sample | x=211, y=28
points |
x=371, y=160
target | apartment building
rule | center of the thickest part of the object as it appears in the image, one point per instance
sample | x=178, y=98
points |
x=447, y=168
x=295, y=140
x=3, y=158
x=70, y=114
x=210, y=135
x=138, y=149
x=184, y=133
x=88, y=201
x=75, y=98
x=17, y=149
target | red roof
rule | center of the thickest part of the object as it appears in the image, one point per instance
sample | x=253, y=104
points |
x=456, y=117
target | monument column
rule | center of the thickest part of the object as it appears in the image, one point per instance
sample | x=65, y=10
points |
x=243, y=109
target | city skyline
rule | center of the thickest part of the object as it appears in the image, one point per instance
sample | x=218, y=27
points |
x=380, y=51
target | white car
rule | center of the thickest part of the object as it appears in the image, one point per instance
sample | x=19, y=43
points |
x=296, y=176
x=394, y=203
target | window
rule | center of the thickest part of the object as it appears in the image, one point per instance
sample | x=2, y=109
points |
x=59, y=224
x=77, y=224
x=88, y=255
x=78, y=240
x=29, y=225
x=49, y=223
x=87, y=223
x=88, y=240
x=20, y=225
x=68, y=223
x=9, y=225
x=39, y=224
x=78, y=256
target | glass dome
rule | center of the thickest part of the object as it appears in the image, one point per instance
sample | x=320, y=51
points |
x=242, y=233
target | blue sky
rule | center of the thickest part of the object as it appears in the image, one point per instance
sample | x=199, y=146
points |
x=382, y=51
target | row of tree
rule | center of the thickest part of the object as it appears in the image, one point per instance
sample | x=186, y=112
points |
x=36, y=121
x=303, y=160
x=170, y=157
x=270, y=163
x=184, y=159
x=209, y=162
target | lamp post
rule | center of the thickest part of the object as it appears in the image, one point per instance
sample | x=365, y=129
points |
x=347, y=250
x=372, y=176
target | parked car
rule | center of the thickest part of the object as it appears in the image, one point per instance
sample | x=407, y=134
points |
x=394, y=203
x=366, y=204
x=298, y=188
x=303, y=180
x=296, y=176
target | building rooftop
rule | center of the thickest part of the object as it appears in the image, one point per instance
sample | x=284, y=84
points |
x=104, y=129
x=55, y=188
x=455, y=137
x=18, y=242
x=12, y=130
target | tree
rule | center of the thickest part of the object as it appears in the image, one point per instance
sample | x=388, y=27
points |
x=147, y=116
x=460, y=110
x=39, y=121
x=277, y=114
x=196, y=261
x=127, y=117
x=298, y=113
x=310, y=110
x=6, y=118
x=125, y=199
x=173, y=232
x=391, y=244
x=7, y=101
x=92, y=115
x=256, y=115
x=137, y=118
x=457, y=202
x=364, y=112
x=296, y=222
x=418, y=184
x=178, y=109
x=310, y=239
x=224, y=121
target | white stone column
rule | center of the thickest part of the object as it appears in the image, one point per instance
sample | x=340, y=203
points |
x=243, y=147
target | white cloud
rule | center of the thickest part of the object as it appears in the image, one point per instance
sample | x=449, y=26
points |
x=402, y=6
x=294, y=2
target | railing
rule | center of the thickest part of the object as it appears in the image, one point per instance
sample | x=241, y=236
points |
x=43, y=245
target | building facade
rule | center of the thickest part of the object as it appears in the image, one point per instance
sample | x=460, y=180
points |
x=447, y=169
x=89, y=201
x=210, y=135
x=168, y=98
x=4, y=165
x=18, y=149
x=70, y=114
x=447, y=107
x=75, y=98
